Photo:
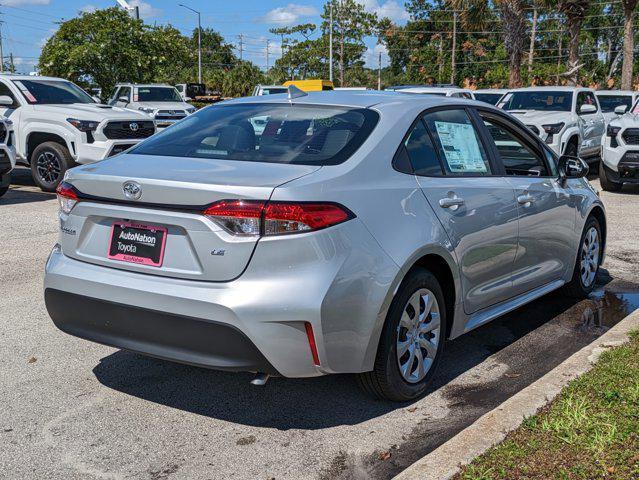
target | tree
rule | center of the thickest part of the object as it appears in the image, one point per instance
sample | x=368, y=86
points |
x=240, y=80
x=108, y=46
x=629, y=7
x=351, y=23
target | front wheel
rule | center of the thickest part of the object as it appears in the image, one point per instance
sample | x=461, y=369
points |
x=49, y=162
x=588, y=260
x=412, y=340
x=607, y=184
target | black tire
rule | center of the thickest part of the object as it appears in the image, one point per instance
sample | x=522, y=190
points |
x=607, y=184
x=4, y=179
x=49, y=161
x=3, y=190
x=572, y=148
x=577, y=288
x=386, y=381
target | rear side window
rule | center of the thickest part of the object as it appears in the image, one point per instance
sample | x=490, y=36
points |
x=458, y=143
x=272, y=133
x=421, y=152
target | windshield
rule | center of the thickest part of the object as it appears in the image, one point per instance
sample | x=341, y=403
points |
x=158, y=94
x=541, y=100
x=272, y=133
x=491, y=98
x=274, y=91
x=52, y=92
x=608, y=103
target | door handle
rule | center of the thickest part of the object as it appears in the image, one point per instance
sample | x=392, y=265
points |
x=453, y=203
x=525, y=199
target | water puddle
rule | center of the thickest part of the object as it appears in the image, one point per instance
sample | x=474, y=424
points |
x=604, y=309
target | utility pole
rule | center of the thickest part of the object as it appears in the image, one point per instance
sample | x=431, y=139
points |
x=532, y=40
x=137, y=12
x=330, y=44
x=267, y=45
x=452, y=56
x=12, y=67
x=379, y=71
x=1, y=54
x=199, y=42
x=241, y=37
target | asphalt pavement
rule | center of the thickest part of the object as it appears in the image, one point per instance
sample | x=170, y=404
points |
x=76, y=410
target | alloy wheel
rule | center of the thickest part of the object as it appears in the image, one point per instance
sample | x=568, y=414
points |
x=49, y=167
x=418, y=335
x=589, y=257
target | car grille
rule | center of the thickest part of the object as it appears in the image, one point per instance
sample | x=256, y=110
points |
x=126, y=130
x=533, y=129
x=170, y=115
x=631, y=136
x=120, y=148
x=3, y=132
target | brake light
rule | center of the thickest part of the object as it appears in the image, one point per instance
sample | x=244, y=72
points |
x=67, y=197
x=256, y=217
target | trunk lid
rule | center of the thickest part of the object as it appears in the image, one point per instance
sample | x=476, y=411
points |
x=174, y=192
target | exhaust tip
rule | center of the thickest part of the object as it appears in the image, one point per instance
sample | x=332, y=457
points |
x=260, y=379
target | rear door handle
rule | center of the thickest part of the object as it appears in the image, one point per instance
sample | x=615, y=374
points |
x=525, y=199
x=452, y=203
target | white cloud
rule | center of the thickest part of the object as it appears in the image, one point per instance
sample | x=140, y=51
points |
x=17, y=3
x=371, y=57
x=289, y=14
x=88, y=9
x=146, y=9
x=391, y=9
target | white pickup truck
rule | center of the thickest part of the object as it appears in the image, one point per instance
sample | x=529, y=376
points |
x=57, y=125
x=620, y=161
x=7, y=153
x=568, y=119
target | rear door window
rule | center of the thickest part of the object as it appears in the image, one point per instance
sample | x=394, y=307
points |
x=458, y=142
x=269, y=132
x=419, y=149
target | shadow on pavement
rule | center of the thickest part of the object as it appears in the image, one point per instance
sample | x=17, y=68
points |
x=23, y=189
x=336, y=400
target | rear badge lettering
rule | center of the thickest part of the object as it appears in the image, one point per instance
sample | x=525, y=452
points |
x=67, y=230
x=218, y=252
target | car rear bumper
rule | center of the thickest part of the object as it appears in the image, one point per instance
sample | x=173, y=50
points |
x=99, y=150
x=151, y=332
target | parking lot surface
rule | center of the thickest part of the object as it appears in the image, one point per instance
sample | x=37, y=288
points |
x=77, y=410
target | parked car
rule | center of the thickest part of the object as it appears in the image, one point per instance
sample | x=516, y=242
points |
x=490, y=95
x=568, y=119
x=162, y=103
x=260, y=90
x=7, y=153
x=356, y=234
x=609, y=100
x=620, y=159
x=57, y=124
x=441, y=91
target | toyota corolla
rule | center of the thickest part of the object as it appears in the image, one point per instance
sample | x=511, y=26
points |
x=352, y=232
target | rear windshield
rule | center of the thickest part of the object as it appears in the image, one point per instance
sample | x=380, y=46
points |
x=272, y=133
x=158, y=94
x=541, y=100
x=610, y=102
x=274, y=91
x=491, y=98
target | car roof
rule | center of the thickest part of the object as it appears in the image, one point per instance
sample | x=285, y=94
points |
x=355, y=98
x=491, y=90
x=144, y=85
x=550, y=89
x=10, y=76
x=616, y=92
x=272, y=86
x=433, y=89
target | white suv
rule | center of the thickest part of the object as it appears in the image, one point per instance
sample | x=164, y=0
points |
x=7, y=153
x=620, y=159
x=609, y=100
x=568, y=119
x=163, y=103
x=57, y=124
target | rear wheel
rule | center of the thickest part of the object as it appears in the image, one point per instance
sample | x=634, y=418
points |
x=412, y=340
x=4, y=179
x=49, y=162
x=588, y=260
x=607, y=184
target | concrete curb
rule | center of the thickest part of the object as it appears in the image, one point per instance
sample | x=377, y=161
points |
x=491, y=428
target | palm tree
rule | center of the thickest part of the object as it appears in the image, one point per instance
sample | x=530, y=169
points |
x=512, y=13
x=628, y=43
x=575, y=13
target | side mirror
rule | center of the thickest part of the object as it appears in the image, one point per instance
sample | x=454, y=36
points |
x=123, y=99
x=571, y=167
x=6, y=101
x=621, y=109
x=587, y=108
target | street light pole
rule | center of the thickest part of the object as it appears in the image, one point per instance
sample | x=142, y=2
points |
x=199, y=42
x=330, y=44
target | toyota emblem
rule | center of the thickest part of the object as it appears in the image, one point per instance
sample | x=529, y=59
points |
x=134, y=127
x=132, y=190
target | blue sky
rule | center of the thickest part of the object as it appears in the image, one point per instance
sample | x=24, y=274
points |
x=28, y=23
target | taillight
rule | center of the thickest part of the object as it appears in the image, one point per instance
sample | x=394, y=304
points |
x=256, y=217
x=67, y=197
